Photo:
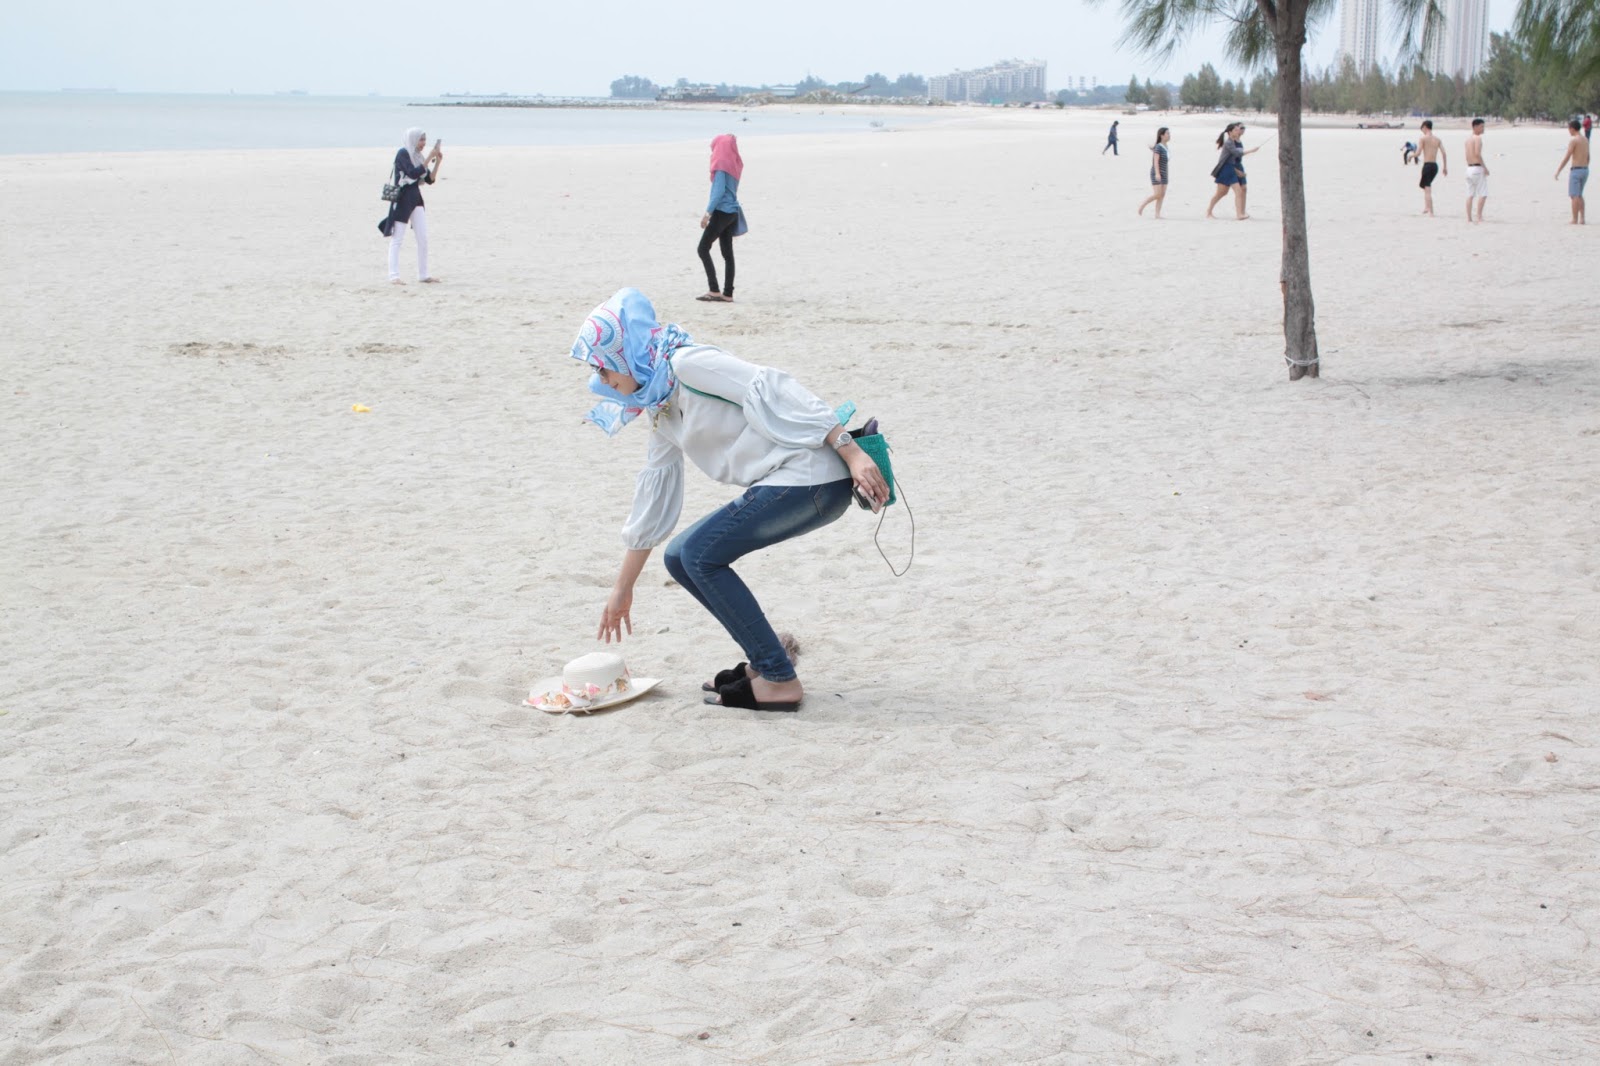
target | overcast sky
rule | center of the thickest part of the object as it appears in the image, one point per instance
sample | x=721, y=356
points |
x=407, y=47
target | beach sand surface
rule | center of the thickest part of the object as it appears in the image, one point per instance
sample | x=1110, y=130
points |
x=1219, y=720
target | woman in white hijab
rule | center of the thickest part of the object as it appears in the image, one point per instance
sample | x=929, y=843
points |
x=412, y=169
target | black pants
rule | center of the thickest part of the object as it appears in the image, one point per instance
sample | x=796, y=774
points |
x=720, y=230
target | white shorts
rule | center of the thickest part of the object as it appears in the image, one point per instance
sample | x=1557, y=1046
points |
x=1477, y=183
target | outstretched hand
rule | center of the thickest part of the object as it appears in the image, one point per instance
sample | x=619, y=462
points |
x=616, y=616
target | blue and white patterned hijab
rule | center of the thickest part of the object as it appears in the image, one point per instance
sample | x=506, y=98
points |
x=622, y=335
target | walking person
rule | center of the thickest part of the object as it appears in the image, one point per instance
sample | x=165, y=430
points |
x=412, y=169
x=1158, y=171
x=1430, y=147
x=1111, y=139
x=742, y=424
x=1578, y=176
x=1477, y=172
x=1588, y=125
x=724, y=219
x=1229, y=171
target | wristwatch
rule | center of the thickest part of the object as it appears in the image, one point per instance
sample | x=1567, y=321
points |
x=844, y=438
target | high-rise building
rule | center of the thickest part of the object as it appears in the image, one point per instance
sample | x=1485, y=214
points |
x=1461, y=45
x=990, y=83
x=1360, y=33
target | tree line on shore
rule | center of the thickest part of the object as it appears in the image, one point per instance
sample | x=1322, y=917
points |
x=1510, y=85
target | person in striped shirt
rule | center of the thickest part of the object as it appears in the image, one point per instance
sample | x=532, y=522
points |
x=1158, y=171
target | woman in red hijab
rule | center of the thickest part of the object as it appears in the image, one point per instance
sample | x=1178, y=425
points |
x=724, y=219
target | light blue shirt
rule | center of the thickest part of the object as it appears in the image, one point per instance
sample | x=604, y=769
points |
x=724, y=193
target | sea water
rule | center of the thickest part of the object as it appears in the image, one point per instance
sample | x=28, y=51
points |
x=41, y=123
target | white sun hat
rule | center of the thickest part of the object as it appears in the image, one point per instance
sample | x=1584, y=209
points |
x=589, y=683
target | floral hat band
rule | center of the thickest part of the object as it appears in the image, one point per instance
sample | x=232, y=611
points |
x=589, y=683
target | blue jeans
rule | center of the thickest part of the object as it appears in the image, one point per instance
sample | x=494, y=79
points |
x=700, y=559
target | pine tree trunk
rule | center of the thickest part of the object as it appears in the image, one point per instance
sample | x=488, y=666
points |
x=1299, y=315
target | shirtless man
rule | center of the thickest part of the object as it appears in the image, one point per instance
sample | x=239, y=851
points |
x=1578, y=154
x=1477, y=173
x=1431, y=146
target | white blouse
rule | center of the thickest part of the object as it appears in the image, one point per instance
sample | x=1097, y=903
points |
x=757, y=426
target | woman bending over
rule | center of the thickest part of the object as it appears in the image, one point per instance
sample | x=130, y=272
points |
x=741, y=424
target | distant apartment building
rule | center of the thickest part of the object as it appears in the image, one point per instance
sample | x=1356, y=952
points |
x=991, y=83
x=1462, y=44
x=1361, y=33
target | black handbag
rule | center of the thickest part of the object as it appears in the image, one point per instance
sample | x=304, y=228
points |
x=391, y=189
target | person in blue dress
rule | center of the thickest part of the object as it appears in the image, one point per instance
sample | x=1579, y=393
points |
x=1229, y=170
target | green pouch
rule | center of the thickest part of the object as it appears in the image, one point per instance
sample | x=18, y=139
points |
x=877, y=447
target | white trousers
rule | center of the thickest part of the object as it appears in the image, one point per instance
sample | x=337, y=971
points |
x=419, y=222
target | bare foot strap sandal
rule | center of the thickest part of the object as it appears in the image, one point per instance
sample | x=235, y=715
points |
x=724, y=677
x=741, y=694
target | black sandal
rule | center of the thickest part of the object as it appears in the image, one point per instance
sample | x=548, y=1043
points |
x=742, y=694
x=724, y=677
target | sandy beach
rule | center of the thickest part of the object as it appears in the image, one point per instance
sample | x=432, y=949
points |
x=1220, y=719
